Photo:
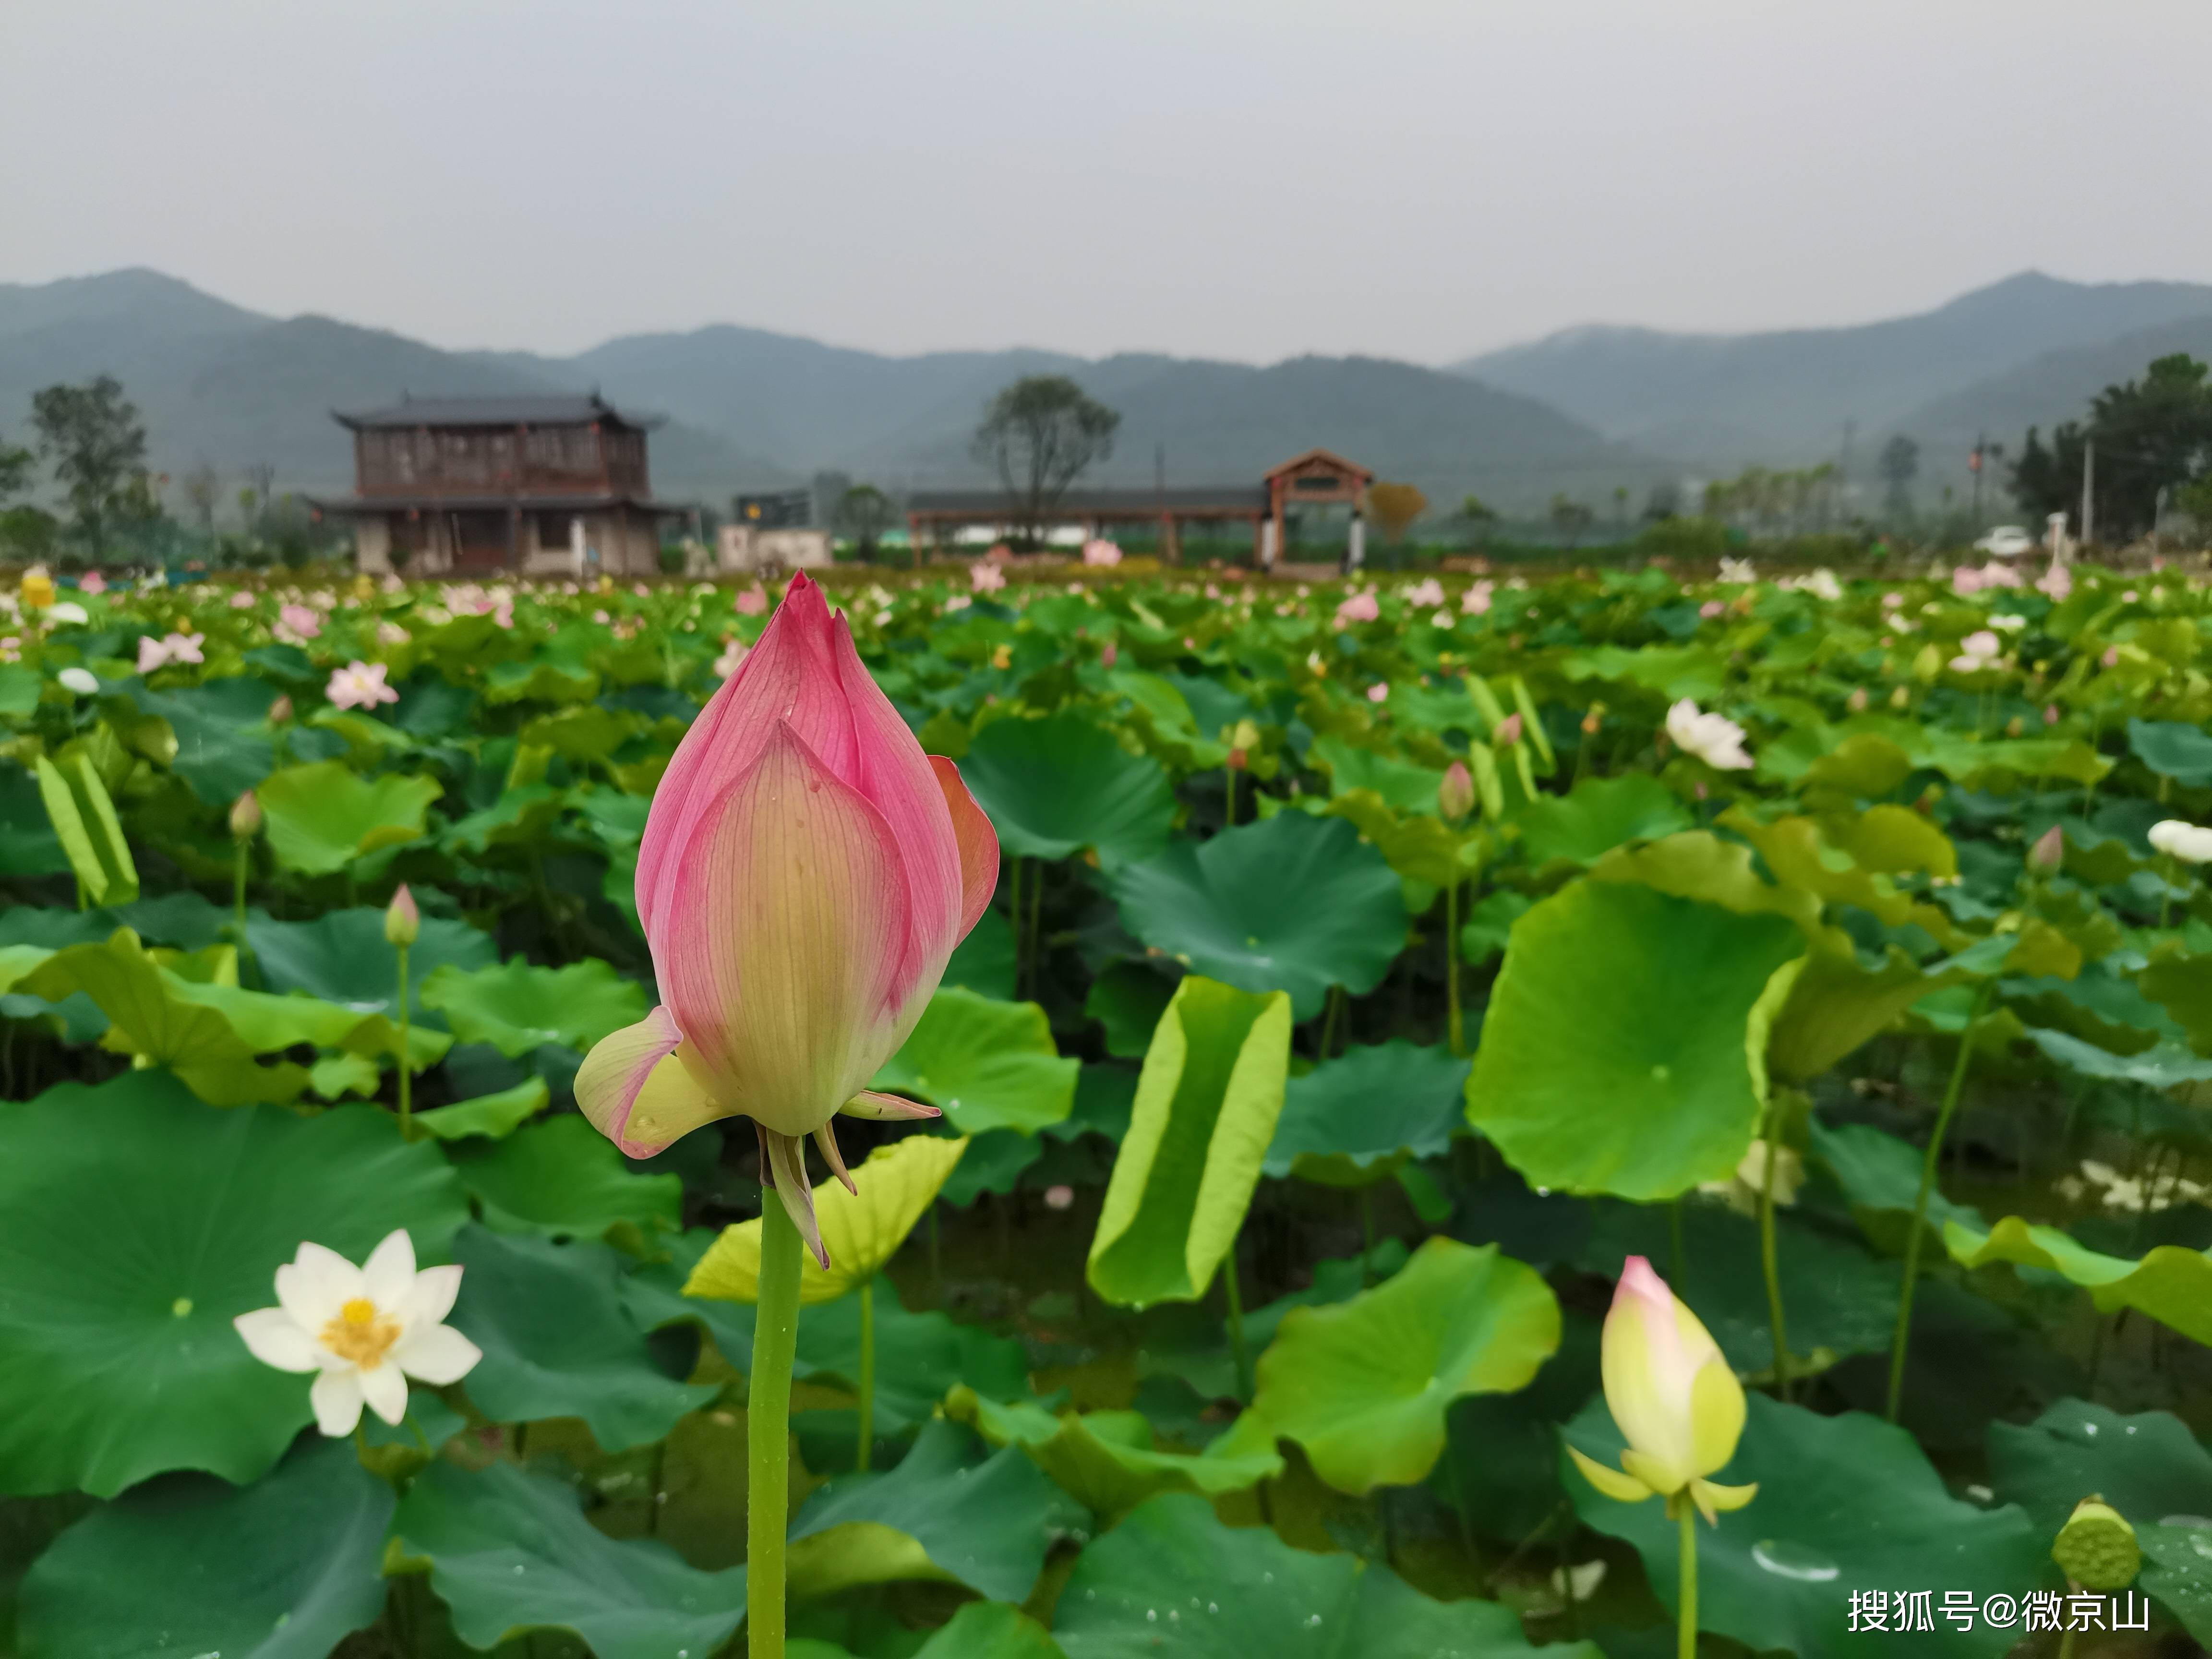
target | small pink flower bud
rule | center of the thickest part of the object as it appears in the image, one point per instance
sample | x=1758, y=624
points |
x=1455, y=794
x=2049, y=851
x=1509, y=730
x=403, y=922
x=245, y=817
x=1059, y=1198
x=280, y=711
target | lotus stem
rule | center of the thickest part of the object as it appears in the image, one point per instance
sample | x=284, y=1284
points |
x=1329, y=1022
x=1679, y=1260
x=1686, y=1619
x=1367, y=1233
x=1767, y=1255
x=406, y=1055
x=1454, y=1029
x=1014, y=911
x=867, y=1413
x=237, y=888
x=1243, y=1355
x=767, y=1430
x=1900, y=1341
x=1230, y=813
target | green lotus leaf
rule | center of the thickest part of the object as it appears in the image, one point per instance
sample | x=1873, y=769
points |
x=1363, y=1385
x=29, y=846
x=2177, y=1571
x=1358, y=1115
x=1172, y=1579
x=1699, y=865
x=986, y=1065
x=1500, y=1466
x=123, y=1272
x=1880, y=1177
x=1846, y=1505
x=494, y=1117
x=521, y=817
x=286, y=1568
x=587, y=734
x=563, y=1178
x=322, y=817
x=1420, y=848
x=1835, y=1005
x=1599, y=814
x=2148, y=1467
x=1189, y=1343
x=862, y=1229
x=541, y=681
x=2165, y=1066
x=558, y=1342
x=1623, y=1049
x=984, y=962
x=985, y=1629
x=1401, y=786
x=1293, y=902
x=2182, y=985
x=951, y=1510
x=1206, y=1105
x=919, y=1356
x=1056, y=786
x=85, y=823
x=511, y=1551
x=2171, y=1285
x=519, y=1006
x=1127, y=999
x=1107, y=1461
x=2173, y=749
x=995, y=1163
x=343, y=957
x=1697, y=671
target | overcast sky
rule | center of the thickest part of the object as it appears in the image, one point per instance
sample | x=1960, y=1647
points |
x=1246, y=179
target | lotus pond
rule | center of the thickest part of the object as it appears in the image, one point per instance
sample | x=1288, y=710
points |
x=1375, y=970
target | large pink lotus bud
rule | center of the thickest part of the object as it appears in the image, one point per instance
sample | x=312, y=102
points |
x=804, y=874
x=1455, y=794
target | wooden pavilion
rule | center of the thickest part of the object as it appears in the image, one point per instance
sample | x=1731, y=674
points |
x=1316, y=479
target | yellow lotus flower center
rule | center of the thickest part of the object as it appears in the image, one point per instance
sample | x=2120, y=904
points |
x=360, y=1334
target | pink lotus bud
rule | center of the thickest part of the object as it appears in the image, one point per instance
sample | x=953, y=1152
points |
x=2051, y=715
x=280, y=711
x=2049, y=851
x=1238, y=760
x=804, y=873
x=1509, y=730
x=1455, y=794
x=1857, y=701
x=245, y=817
x=1108, y=655
x=403, y=922
x=1059, y=1198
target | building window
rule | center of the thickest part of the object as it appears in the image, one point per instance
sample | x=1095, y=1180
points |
x=553, y=531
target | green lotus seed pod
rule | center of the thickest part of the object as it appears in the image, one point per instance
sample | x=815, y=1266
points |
x=2096, y=1548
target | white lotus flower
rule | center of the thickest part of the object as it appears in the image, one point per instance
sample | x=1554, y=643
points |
x=1713, y=738
x=364, y=1330
x=68, y=613
x=1738, y=570
x=2189, y=842
x=79, y=680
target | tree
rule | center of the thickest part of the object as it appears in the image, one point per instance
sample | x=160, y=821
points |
x=16, y=467
x=1396, y=506
x=1899, y=464
x=1570, y=518
x=93, y=435
x=1480, y=516
x=862, y=512
x=2048, y=480
x=201, y=487
x=1039, y=434
x=2151, y=435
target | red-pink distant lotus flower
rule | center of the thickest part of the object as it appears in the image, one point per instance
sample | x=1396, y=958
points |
x=92, y=582
x=804, y=873
x=296, y=624
x=751, y=603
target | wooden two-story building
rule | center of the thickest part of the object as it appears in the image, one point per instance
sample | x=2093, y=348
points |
x=554, y=485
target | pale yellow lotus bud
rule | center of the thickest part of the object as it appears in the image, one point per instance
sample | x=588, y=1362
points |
x=403, y=922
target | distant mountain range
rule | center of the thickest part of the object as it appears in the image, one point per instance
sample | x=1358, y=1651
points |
x=2030, y=349
x=1588, y=412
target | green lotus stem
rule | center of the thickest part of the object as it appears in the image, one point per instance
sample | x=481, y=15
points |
x=1329, y=1022
x=767, y=1430
x=1014, y=912
x=1229, y=815
x=1037, y=923
x=1454, y=1031
x=1680, y=1261
x=867, y=1431
x=1767, y=1256
x=1900, y=1341
x=1686, y=1620
x=1367, y=1233
x=1237, y=1324
x=237, y=888
x=406, y=1055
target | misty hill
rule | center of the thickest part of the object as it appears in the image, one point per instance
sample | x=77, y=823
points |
x=230, y=388
x=1716, y=402
x=226, y=387
x=2046, y=389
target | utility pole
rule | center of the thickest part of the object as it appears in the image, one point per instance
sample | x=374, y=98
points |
x=1844, y=471
x=1974, y=466
x=2088, y=491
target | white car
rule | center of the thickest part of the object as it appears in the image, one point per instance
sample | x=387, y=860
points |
x=2007, y=541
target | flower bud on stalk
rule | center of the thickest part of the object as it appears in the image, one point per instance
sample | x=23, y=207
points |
x=1509, y=730
x=403, y=922
x=245, y=816
x=1455, y=794
x=2049, y=851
